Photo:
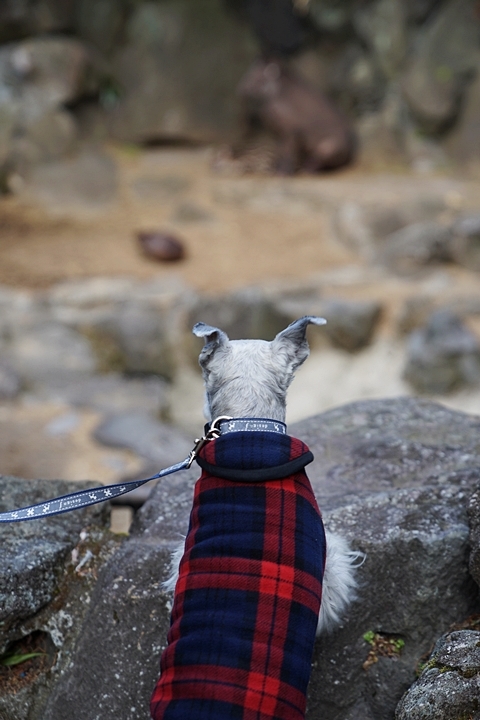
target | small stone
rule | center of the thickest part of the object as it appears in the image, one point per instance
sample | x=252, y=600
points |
x=160, y=245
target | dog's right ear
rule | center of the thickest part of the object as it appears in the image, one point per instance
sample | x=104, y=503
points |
x=292, y=342
x=214, y=339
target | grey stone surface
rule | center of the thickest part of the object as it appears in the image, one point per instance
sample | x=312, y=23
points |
x=463, y=142
x=111, y=394
x=449, y=686
x=466, y=245
x=32, y=553
x=443, y=355
x=474, y=521
x=247, y=313
x=50, y=352
x=350, y=325
x=48, y=570
x=153, y=440
x=395, y=478
x=445, y=57
x=179, y=69
x=38, y=76
x=382, y=25
x=10, y=384
x=19, y=18
x=416, y=246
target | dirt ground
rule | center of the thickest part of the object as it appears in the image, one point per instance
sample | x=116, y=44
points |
x=237, y=231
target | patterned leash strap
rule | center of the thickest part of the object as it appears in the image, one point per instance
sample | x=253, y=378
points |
x=83, y=498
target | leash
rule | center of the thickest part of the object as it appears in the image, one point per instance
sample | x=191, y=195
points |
x=84, y=498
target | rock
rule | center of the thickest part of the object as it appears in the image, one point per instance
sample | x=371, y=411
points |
x=462, y=144
x=474, y=518
x=19, y=18
x=444, y=60
x=10, y=384
x=178, y=70
x=101, y=23
x=152, y=440
x=418, y=10
x=331, y=16
x=466, y=244
x=111, y=393
x=50, y=352
x=246, y=313
x=364, y=227
x=356, y=81
x=382, y=26
x=47, y=573
x=394, y=477
x=38, y=77
x=132, y=326
x=443, y=355
x=350, y=325
x=416, y=246
x=161, y=246
x=449, y=686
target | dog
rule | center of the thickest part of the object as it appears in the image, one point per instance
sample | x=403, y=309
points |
x=248, y=579
x=312, y=133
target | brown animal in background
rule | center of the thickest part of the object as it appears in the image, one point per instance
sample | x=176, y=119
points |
x=312, y=134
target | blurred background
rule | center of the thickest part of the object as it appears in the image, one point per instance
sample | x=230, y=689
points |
x=240, y=162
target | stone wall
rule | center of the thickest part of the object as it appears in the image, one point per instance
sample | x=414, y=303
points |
x=404, y=71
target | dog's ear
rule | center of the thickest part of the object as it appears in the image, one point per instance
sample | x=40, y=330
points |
x=214, y=339
x=292, y=342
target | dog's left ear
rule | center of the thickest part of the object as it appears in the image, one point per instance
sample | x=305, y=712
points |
x=214, y=339
x=292, y=342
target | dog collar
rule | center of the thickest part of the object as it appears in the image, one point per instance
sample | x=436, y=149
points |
x=229, y=425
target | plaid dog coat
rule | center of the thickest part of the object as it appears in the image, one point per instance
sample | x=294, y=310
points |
x=250, y=582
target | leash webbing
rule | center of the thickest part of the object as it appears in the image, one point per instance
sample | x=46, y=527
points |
x=84, y=498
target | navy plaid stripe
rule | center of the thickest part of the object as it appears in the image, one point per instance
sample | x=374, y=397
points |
x=248, y=595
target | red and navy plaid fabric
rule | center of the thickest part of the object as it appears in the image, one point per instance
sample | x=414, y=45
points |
x=248, y=595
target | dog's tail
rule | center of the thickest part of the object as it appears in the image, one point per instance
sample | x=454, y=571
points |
x=339, y=584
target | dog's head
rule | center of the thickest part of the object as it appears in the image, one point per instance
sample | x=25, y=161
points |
x=250, y=378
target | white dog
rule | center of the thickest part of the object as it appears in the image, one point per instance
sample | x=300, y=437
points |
x=250, y=379
x=258, y=574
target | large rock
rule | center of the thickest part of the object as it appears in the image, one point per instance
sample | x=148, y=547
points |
x=179, y=70
x=449, y=686
x=443, y=355
x=463, y=142
x=19, y=18
x=382, y=25
x=38, y=77
x=47, y=573
x=132, y=326
x=394, y=477
x=444, y=60
x=416, y=246
x=474, y=518
x=466, y=245
x=350, y=325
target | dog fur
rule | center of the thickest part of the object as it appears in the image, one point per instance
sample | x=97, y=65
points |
x=250, y=378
